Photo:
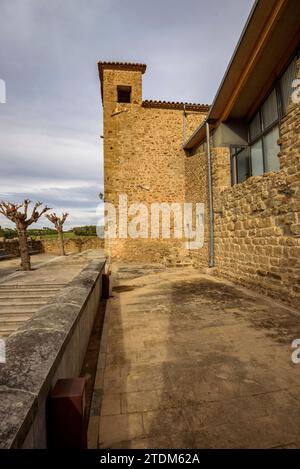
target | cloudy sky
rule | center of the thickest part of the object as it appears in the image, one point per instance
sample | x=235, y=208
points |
x=50, y=126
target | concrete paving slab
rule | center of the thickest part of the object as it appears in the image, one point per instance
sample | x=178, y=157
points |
x=191, y=361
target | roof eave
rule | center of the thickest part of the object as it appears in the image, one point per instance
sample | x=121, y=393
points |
x=197, y=136
x=222, y=104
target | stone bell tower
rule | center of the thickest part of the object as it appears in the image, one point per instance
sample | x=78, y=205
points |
x=143, y=155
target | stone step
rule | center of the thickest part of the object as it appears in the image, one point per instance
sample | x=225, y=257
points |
x=29, y=288
x=5, y=295
x=27, y=293
x=36, y=301
x=19, y=302
x=35, y=286
x=8, y=327
x=8, y=318
x=18, y=309
x=6, y=333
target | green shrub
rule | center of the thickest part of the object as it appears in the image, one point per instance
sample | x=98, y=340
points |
x=85, y=230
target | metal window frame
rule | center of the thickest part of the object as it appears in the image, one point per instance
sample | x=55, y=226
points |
x=266, y=130
x=280, y=111
x=234, y=160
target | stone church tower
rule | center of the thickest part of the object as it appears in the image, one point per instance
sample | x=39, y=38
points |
x=143, y=155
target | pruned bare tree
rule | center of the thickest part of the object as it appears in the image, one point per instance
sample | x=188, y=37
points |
x=22, y=220
x=58, y=222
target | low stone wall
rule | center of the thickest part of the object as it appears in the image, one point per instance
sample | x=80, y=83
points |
x=11, y=246
x=50, y=345
x=72, y=245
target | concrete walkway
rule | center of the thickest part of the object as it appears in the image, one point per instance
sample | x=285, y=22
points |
x=12, y=266
x=190, y=362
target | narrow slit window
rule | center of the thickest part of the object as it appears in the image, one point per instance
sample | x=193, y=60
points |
x=124, y=94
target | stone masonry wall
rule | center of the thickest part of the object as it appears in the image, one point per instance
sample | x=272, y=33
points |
x=11, y=246
x=196, y=191
x=143, y=158
x=257, y=223
x=72, y=245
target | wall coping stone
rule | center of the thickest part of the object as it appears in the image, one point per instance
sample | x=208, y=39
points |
x=34, y=352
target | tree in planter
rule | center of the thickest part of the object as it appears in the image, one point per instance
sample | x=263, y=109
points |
x=22, y=221
x=58, y=222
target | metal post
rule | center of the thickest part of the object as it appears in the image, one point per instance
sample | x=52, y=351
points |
x=210, y=200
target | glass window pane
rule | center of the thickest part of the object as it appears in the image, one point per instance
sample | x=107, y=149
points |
x=286, y=83
x=257, y=164
x=271, y=150
x=242, y=165
x=255, y=126
x=270, y=110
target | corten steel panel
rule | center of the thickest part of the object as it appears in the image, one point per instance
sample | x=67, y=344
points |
x=106, y=279
x=66, y=414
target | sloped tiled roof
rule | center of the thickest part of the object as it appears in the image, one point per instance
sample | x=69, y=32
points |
x=149, y=103
x=121, y=66
x=176, y=105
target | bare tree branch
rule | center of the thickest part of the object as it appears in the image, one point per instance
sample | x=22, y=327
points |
x=36, y=214
x=58, y=223
x=56, y=220
x=26, y=203
x=21, y=220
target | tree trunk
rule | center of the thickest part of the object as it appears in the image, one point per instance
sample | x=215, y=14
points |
x=24, y=250
x=61, y=243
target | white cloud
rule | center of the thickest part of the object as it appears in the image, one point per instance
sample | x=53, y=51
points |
x=51, y=123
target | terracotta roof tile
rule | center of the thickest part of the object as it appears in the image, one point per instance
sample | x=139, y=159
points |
x=176, y=105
